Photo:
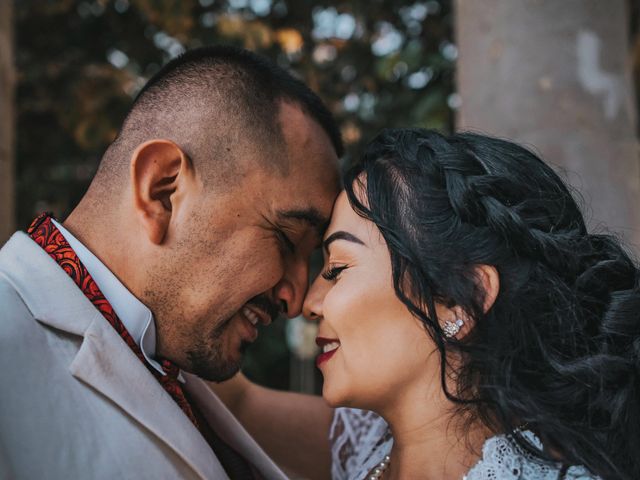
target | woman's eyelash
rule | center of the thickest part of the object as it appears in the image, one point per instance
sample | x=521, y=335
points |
x=333, y=271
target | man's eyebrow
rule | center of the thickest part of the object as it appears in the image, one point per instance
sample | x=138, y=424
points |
x=340, y=235
x=310, y=216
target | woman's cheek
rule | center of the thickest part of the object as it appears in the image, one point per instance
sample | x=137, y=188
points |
x=341, y=304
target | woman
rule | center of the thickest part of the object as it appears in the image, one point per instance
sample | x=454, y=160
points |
x=464, y=302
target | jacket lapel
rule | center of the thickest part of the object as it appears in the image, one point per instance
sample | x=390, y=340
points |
x=104, y=361
x=107, y=364
x=229, y=429
x=49, y=293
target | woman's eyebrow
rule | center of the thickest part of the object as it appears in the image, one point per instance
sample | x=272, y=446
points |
x=340, y=235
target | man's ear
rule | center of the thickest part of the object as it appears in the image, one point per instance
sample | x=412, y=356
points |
x=156, y=168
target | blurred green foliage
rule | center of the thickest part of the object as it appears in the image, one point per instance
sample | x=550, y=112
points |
x=376, y=63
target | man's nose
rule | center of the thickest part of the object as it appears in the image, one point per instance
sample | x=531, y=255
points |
x=292, y=288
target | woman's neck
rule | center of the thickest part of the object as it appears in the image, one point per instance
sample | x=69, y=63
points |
x=428, y=442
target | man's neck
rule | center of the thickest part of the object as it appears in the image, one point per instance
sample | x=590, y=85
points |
x=134, y=315
x=94, y=231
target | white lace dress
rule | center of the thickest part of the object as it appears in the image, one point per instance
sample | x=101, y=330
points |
x=360, y=440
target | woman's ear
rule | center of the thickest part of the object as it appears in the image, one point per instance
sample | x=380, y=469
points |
x=489, y=281
x=455, y=322
x=156, y=168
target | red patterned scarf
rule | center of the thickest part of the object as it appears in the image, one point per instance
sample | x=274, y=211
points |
x=45, y=234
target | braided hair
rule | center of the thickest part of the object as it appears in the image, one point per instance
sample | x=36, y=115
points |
x=559, y=349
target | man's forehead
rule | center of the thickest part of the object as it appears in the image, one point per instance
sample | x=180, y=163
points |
x=308, y=144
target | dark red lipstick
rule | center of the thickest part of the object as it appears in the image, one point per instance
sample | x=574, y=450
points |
x=323, y=357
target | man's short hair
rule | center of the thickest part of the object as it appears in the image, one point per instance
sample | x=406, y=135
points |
x=215, y=102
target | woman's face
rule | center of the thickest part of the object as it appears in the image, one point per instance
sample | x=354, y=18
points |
x=374, y=347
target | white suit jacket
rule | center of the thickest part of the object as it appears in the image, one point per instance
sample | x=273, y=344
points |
x=77, y=403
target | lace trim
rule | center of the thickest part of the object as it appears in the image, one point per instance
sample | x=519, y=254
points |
x=360, y=440
x=503, y=459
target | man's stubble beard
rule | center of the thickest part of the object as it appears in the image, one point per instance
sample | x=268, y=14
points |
x=206, y=357
x=202, y=350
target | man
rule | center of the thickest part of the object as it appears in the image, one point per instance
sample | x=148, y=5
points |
x=197, y=226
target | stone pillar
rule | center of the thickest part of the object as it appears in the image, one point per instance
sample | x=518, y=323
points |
x=7, y=177
x=555, y=75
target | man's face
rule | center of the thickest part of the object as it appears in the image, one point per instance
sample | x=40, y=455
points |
x=241, y=257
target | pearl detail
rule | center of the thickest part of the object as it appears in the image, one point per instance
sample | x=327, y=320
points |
x=378, y=472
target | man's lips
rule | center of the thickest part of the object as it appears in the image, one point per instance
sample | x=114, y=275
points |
x=265, y=309
x=255, y=315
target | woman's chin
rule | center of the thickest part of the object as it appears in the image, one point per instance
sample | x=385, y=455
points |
x=337, y=397
x=333, y=398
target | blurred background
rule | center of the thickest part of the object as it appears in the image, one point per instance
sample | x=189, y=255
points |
x=560, y=76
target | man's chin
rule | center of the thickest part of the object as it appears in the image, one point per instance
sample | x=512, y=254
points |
x=217, y=374
x=214, y=368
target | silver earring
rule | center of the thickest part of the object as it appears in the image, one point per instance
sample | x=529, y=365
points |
x=451, y=329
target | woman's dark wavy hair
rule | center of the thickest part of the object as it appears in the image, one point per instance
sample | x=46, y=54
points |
x=559, y=349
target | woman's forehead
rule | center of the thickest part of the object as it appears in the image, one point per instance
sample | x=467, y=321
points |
x=343, y=215
x=345, y=218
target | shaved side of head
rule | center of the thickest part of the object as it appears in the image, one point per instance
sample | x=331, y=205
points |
x=221, y=106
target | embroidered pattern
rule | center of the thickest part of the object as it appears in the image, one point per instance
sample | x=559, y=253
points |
x=45, y=234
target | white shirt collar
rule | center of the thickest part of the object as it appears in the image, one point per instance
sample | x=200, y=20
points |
x=135, y=316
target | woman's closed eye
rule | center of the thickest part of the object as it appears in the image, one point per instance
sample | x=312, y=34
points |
x=333, y=272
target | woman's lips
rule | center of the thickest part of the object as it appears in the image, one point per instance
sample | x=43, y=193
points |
x=323, y=357
x=329, y=346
